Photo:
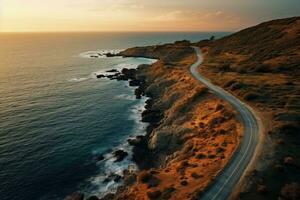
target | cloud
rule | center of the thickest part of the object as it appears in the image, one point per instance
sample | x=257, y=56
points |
x=169, y=16
x=195, y=20
x=116, y=5
x=180, y=15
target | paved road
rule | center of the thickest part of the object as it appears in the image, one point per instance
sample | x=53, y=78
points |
x=225, y=182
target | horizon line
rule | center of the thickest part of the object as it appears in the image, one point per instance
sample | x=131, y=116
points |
x=146, y=31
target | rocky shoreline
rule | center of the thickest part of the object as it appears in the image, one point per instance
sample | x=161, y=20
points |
x=139, y=143
x=149, y=115
x=185, y=134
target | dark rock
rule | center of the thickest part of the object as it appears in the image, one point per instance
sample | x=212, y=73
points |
x=183, y=43
x=201, y=156
x=100, y=157
x=154, y=194
x=93, y=198
x=136, y=141
x=251, y=96
x=195, y=175
x=134, y=82
x=167, y=193
x=109, y=196
x=129, y=73
x=152, y=116
x=100, y=76
x=261, y=189
x=112, y=77
x=130, y=179
x=115, y=177
x=112, y=71
x=184, y=183
x=120, y=155
x=75, y=196
x=138, y=93
x=110, y=55
x=122, y=78
x=142, y=155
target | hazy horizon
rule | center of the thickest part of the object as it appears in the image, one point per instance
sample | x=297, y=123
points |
x=139, y=15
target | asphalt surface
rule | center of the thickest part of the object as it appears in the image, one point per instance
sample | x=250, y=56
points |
x=225, y=182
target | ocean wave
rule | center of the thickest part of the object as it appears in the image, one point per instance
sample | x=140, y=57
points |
x=100, y=184
x=125, y=97
x=99, y=53
x=78, y=79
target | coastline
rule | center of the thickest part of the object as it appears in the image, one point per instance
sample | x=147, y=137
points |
x=160, y=155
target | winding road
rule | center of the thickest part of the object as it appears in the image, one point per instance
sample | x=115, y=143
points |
x=225, y=182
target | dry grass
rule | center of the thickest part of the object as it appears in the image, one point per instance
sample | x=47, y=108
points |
x=262, y=68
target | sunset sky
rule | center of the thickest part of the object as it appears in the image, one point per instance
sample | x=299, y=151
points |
x=140, y=15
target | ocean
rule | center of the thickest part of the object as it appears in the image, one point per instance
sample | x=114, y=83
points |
x=56, y=117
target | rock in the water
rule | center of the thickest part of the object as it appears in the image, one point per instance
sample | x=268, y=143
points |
x=135, y=141
x=100, y=76
x=115, y=177
x=122, y=78
x=111, y=77
x=112, y=71
x=134, y=82
x=100, y=157
x=75, y=196
x=110, y=55
x=129, y=73
x=120, y=155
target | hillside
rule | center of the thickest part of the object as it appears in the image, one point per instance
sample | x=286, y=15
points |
x=192, y=133
x=261, y=66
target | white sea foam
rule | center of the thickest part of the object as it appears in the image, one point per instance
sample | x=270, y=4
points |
x=125, y=97
x=99, y=184
x=78, y=79
x=102, y=187
x=99, y=53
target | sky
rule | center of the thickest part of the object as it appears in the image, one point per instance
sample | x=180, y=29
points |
x=140, y=15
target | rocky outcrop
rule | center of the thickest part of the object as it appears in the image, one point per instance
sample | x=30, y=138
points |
x=75, y=196
x=120, y=155
x=183, y=117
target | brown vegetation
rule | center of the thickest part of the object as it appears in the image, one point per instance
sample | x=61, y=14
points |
x=261, y=65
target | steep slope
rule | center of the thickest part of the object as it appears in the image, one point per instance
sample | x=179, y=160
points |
x=261, y=66
x=192, y=133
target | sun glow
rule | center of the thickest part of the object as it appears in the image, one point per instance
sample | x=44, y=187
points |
x=131, y=15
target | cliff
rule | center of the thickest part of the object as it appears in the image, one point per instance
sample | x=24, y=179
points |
x=191, y=136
